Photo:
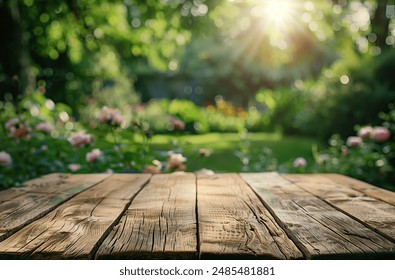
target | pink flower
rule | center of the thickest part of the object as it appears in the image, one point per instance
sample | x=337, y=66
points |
x=155, y=168
x=323, y=158
x=93, y=155
x=204, y=152
x=80, y=139
x=17, y=129
x=21, y=131
x=74, y=167
x=176, y=161
x=365, y=132
x=299, y=162
x=354, y=141
x=5, y=158
x=110, y=116
x=11, y=123
x=177, y=124
x=381, y=134
x=45, y=127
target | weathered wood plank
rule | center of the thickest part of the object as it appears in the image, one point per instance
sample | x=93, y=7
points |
x=318, y=229
x=11, y=193
x=233, y=223
x=376, y=214
x=368, y=189
x=120, y=187
x=75, y=228
x=62, y=183
x=159, y=224
x=32, y=202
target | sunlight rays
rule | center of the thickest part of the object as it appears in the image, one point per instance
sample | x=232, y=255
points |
x=271, y=21
x=273, y=32
x=278, y=15
x=276, y=19
x=277, y=12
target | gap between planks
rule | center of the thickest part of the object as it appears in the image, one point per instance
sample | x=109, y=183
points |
x=318, y=229
x=37, y=197
x=74, y=229
x=233, y=223
x=373, y=213
x=265, y=185
x=160, y=223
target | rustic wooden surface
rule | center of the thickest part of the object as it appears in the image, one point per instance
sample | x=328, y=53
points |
x=234, y=223
x=183, y=216
x=18, y=207
x=160, y=223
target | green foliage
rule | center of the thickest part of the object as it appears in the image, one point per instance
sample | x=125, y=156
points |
x=353, y=91
x=281, y=107
x=71, y=46
x=219, y=122
x=368, y=156
x=369, y=162
x=39, y=137
x=112, y=93
x=221, y=117
x=191, y=114
x=155, y=114
x=37, y=108
x=78, y=56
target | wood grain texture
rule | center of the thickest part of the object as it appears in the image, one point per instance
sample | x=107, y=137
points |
x=75, y=228
x=318, y=229
x=233, y=223
x=120, y=186
x=368, y=189
x=181, y=216
x=31, y=202
x=159, y=224
x=376, y=214
x=11, y=193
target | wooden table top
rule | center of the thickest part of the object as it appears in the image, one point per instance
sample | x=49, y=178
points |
x=184, y=216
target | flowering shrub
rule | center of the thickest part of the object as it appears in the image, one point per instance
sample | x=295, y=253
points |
x=5, y=159
x=299, y=162
x=45, y=127
x=28, y=151
x=154, y=168
x=176, y=124
x=175, y=161
x=165, y=116
x=93, y=155
x=110, y=116
x=31, y=146
x=381, y=134
x=354, y=141
x=18, y=129
x=80, y=139
x=368, y=156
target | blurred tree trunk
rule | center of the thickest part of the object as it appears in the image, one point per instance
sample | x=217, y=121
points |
x=380, y=23
x=14, y=54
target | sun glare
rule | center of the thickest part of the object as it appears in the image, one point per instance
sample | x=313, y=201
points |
x=278, y=10
x=277, y=13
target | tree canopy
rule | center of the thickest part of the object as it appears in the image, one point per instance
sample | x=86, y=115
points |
x=70, y=49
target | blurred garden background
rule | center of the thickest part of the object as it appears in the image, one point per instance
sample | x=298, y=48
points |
x=197, y=86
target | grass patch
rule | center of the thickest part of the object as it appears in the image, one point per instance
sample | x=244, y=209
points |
x=224, y=146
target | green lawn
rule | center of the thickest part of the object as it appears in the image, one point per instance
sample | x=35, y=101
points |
x=224, y=146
